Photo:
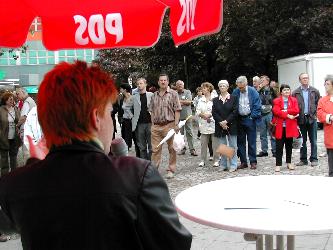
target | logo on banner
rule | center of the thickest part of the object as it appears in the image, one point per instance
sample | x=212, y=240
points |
x=186, y=20
x=97, y=27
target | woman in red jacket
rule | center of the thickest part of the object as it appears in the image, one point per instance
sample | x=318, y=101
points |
x=285, y=110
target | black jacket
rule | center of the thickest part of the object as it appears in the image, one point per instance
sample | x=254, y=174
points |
x=227, y=111
x=314, y=97
x=79, y=198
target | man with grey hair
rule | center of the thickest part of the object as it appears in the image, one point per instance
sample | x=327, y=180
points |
x=256, y=83
x=307, y=98
x=185, y=98
x=249, y=116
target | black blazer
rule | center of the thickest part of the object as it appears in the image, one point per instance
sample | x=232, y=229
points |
x=79, y=198
x=225, y=111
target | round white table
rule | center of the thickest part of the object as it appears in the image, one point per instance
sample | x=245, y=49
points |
x=263, y=205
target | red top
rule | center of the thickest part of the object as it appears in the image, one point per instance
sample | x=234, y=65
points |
x=281, y=116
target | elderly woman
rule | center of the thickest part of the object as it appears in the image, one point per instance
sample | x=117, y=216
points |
x=206, y=123
x=285, y=110
x=9, y=138
x=325, y=115
x=225, y=113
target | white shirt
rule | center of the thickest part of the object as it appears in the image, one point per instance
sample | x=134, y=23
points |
x=11, y=124
x=28, y=104
x=32, y=127
x=205, y=107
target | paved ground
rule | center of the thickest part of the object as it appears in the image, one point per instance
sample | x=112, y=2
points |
x=189, y=174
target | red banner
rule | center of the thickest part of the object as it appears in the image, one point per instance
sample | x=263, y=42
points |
x=106, y=23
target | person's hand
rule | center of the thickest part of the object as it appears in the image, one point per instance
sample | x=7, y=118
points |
x=223, y=123
x=225, y=127
x=39, y=150
x=291, y=117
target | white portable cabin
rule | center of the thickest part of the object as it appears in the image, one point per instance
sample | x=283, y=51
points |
x=317, y=66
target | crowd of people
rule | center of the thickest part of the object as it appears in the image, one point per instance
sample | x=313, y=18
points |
x=274, y=112
x=85, y=192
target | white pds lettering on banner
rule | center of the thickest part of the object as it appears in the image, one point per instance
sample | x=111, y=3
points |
x=186, y=19
x=97, y=28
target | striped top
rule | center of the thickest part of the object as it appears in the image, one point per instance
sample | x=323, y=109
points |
x=163, y=108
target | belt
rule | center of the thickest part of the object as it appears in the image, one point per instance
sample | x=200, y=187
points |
x=245, y=116
x=162, y=123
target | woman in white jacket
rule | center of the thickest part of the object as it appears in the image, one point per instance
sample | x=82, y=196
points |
x=206, y=123
x=32, y=128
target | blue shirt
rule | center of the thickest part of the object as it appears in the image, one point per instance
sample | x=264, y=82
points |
x=305, y=93
x=285, y=107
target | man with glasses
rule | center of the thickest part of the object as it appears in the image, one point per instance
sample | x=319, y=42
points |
x=307, y=97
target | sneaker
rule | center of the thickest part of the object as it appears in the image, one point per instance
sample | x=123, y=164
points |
x=222, y=168
x=216, y=164
x=301, y=163
x=201, y=164
x=262, y=154
x=314, y=164
x=232, y=169
x=170, y=175
x=211, y=158
x=277, y=168
x=290, y=166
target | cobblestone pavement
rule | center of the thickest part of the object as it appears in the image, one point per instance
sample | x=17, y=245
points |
x=189, y=174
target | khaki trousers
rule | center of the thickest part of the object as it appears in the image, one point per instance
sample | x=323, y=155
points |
x=158, y=132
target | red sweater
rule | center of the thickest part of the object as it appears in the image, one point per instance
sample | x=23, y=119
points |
x=281, y=116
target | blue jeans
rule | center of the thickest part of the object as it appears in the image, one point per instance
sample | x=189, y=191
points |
x=247, y=131
x=264, y=128
x=232, y=139
x=309, y=129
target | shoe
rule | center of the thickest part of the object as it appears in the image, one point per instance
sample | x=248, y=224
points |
x=223, y=168
x=314, y=164
x=182, y=152
x=274, y=155
x=4, y=238
x=262, y=154
x=323, y=154
x=216, y=164
x=242, y=166
x=277, y=168
x=201, y=164
x=170, y=175
x=193, y=153
x=253, y=165
x=290, y=166
x=301, y=163
x=232, y=170
x=210, y=158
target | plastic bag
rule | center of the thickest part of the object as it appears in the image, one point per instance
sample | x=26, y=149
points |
x=297, y=142
x=178, y=142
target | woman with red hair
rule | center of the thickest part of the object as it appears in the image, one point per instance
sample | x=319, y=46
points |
x=78, y=197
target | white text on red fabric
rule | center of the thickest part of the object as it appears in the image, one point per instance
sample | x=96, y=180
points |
x=188, y=13
x=97, y=27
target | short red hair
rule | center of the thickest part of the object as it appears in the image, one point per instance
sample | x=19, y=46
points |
x=67, y=97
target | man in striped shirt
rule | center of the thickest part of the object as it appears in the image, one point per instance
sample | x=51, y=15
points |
x=165, y=112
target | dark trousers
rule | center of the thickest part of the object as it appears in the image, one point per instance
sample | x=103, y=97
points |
x=330, y=161
x=309, y=130
x=210, y=147
x=126, y=132
x=288, y=142
x=247, y=132
x=12, y=152
x=143, y=139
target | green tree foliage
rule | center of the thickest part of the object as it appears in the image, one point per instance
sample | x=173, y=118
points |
x=254, y=35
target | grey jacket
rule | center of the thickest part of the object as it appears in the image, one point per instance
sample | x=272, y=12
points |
x=4, y=127
x=137, y=107
x=314, y=97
